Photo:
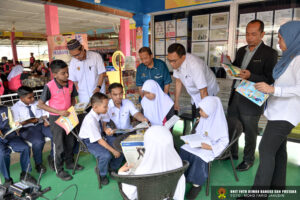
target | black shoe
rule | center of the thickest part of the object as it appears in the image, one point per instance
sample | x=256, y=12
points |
x=51, y=163
x=193, y=193
x=8, y=182
x=29, y=178
x=63, y=175
x=244, y=166
x=40, y=168
x=104, y=180
x=71, y=166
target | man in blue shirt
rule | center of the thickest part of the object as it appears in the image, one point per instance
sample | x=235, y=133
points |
x=154, y=69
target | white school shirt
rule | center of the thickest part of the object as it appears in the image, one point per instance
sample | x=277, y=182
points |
x=121, y=117
x=90, y=128
x=86, y=73
x=284, y=104
x=195, y=75
x=21, y=112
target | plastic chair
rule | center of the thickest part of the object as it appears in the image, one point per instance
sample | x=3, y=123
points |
x=236, y=128
x=152, y=186
x=83, y=148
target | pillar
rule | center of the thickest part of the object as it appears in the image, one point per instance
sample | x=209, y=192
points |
x=124, y=37
x=143, y=20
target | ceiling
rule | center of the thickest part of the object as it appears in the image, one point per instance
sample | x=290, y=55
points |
x=28, y=16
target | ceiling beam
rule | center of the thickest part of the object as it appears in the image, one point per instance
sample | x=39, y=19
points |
x=89, y=6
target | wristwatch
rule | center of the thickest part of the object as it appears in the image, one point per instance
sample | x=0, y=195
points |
x=99, y=86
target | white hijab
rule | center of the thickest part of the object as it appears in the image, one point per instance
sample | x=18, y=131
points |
x=215, y=126
x=156, y=110
x=160, y=156
x=15, y=71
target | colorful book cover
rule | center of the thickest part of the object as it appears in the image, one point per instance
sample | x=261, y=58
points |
x=70, y=122
x=247, y=89
x=232, y=71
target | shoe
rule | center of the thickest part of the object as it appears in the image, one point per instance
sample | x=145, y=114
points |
x=63, y=175
x=29, y=178
x=40, y=168
x=71, y=166
x=104, y=180
x=8, y=182
x=244, y=166
x=51, y=163
x=193, y=193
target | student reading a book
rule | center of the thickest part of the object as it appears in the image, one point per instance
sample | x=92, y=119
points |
x=60, y=92
x=158, y=106
x=160, y=156
x=213, y=131
x=282, y=110
x=256, y=61
x=35, y=126
x=99, y=145
x=17, y=144
x=120, y=110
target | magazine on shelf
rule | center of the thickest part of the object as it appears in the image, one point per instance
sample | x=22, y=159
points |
x=195, y=140
x=70, y=122
x=247, y=89
x=133, y=150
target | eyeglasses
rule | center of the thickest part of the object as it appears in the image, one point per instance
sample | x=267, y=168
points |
x=81, y=50
x=173, y=61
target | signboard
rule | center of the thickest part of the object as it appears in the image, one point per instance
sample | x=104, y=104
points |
x=179, y=3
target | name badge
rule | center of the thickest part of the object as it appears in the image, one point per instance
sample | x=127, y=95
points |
x=257, y=60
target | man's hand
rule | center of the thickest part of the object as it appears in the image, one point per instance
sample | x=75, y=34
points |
x=245, y=74
x=265, y=88
x=109, y=131
x=205, y=146
x=116, y=154
x=64, y=113
x=145, y=120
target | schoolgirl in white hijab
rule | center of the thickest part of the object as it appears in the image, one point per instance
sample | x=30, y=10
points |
x=213, y=129
x=156, y=104
x=160, y=156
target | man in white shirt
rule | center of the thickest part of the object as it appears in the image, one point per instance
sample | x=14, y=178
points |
x=86, y=70
x=120, y=110
x=192, y=72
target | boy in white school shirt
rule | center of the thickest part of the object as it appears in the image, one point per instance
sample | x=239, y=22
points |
x=100, y=145
x=120, y=110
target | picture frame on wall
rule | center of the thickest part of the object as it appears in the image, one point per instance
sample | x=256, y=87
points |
x=160, y=29
x=181, y=27
x=244, y=20
x=296, y=14
x=219, y=20
x=170, y=28
x=169, y=41
x=200, y=35
x=267, y=18
x=215, y=51
x=159, y=46
x=281, y=17
x=200, y=22
x=218, y=34
x=200, y=49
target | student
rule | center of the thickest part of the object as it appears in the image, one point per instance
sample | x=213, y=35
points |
x=14, y=77
x=160, y=156
x=119, y=109
x=158, y=106
x=213, y=129
x=17, y=144
x=35, y=126
x=60, y=92
x=100, y=146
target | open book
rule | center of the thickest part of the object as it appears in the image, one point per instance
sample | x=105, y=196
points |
x=172, y=121
x=247, y=89
x=195, y=140
x=140, y=126
x=232, y=72
x=70, y=122
x=133, y=149
x=13, y=129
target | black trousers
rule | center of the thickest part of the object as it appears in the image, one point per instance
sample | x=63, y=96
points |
x=63, y=145
x=271, y=172
x=195, y=111
x=250, y=129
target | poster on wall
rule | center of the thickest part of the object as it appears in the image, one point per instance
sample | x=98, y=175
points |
x=215, y=51
x=169, y=41
x=267, y=18
x=200, y=22
x=219, y=20
x=159, y=47
x=177, y=4
x=267, y=40
x=241, y=41
x=170, y=28
x=181, y=27
x=200, y=49
x=200, y=35
x=218, y=34
x=159, y=29
x=296, y=14
x=139, y=42
x=58, y=46
x=281, y=17
x=183, y=41
x=244, y=20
